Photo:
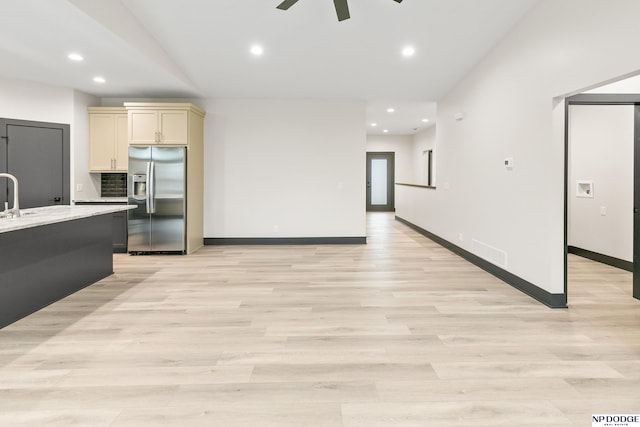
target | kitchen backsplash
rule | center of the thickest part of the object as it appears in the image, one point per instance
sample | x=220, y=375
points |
x=113, y=185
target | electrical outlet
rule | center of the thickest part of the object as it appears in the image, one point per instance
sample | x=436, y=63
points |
x=603, y=210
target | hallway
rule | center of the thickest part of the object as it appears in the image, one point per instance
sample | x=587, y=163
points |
x=398, y=332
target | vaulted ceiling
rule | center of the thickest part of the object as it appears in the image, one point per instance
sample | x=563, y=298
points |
x=202, y=49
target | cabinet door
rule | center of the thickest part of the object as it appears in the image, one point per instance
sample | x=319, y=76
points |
x=143, y=127
x=174, y=127
x=119, y=232
x=121, y=143
x=101, y=139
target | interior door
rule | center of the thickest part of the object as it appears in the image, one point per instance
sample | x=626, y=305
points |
x=381, y=182
x=37, y=154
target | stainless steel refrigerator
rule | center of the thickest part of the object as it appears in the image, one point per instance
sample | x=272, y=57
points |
x=157, y=186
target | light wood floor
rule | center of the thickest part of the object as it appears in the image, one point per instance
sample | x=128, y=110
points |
x=398, y=332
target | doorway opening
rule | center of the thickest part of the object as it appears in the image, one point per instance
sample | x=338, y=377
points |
x=601, y=205
x=381, y=182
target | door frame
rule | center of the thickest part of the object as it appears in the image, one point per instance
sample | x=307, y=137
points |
x=606, y=99
x=390, y=156
x=66, y=148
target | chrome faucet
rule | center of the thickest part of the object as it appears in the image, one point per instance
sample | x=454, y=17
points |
x=15, y=210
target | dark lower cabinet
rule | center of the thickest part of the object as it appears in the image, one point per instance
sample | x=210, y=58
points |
x=118, y=229
x=41, y=265
x=120, y=232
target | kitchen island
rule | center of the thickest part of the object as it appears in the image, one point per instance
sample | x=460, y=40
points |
x=50, y=252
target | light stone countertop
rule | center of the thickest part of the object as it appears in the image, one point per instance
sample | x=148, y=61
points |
x=36, y=217
x=103, y=200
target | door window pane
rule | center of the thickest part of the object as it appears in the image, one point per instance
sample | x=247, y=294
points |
x=378, y=181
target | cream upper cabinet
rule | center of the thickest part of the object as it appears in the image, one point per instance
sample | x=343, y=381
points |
x=143, y=127
x=108, y=144
x=161, y=123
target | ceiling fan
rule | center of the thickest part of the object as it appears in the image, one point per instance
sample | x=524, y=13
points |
x=342, y=7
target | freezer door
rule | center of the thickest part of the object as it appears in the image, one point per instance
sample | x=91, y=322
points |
x=167, y=189
x=139, y=219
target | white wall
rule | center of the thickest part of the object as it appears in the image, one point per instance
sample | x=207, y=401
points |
x=32, y=101
x=601, y=150
x=559, y=48
x=89, y=183
x=273, y=168
x=24, y=100
x=410, y=153
x=401, y=145
x=277, y=168
x=422, y=142
x=629, y=85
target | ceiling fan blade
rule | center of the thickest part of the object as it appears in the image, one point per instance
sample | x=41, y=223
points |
x=286, y=4
x=398, y=1
x=342, y=9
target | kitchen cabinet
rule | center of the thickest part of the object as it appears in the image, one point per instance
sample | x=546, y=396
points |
x=176, y=124
x=108, y=144
x=51, y=252
x=119, y=233
x=162, y=123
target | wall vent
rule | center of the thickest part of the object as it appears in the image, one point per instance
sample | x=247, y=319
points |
x=493, y=255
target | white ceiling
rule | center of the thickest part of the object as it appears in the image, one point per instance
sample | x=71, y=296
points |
x=200, y=49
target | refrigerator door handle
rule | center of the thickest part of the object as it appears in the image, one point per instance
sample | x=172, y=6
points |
x=148, y=192
x=152, y=187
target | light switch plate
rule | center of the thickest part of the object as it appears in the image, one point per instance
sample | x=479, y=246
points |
x=508, y=163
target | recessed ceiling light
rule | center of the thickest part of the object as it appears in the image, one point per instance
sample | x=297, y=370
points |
x=75, y=57
x=99, y=79
x=374, y=124
x=257, y=50
x=408, y=51
x=386, y=131
x=391, y=110
x=425, y=120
